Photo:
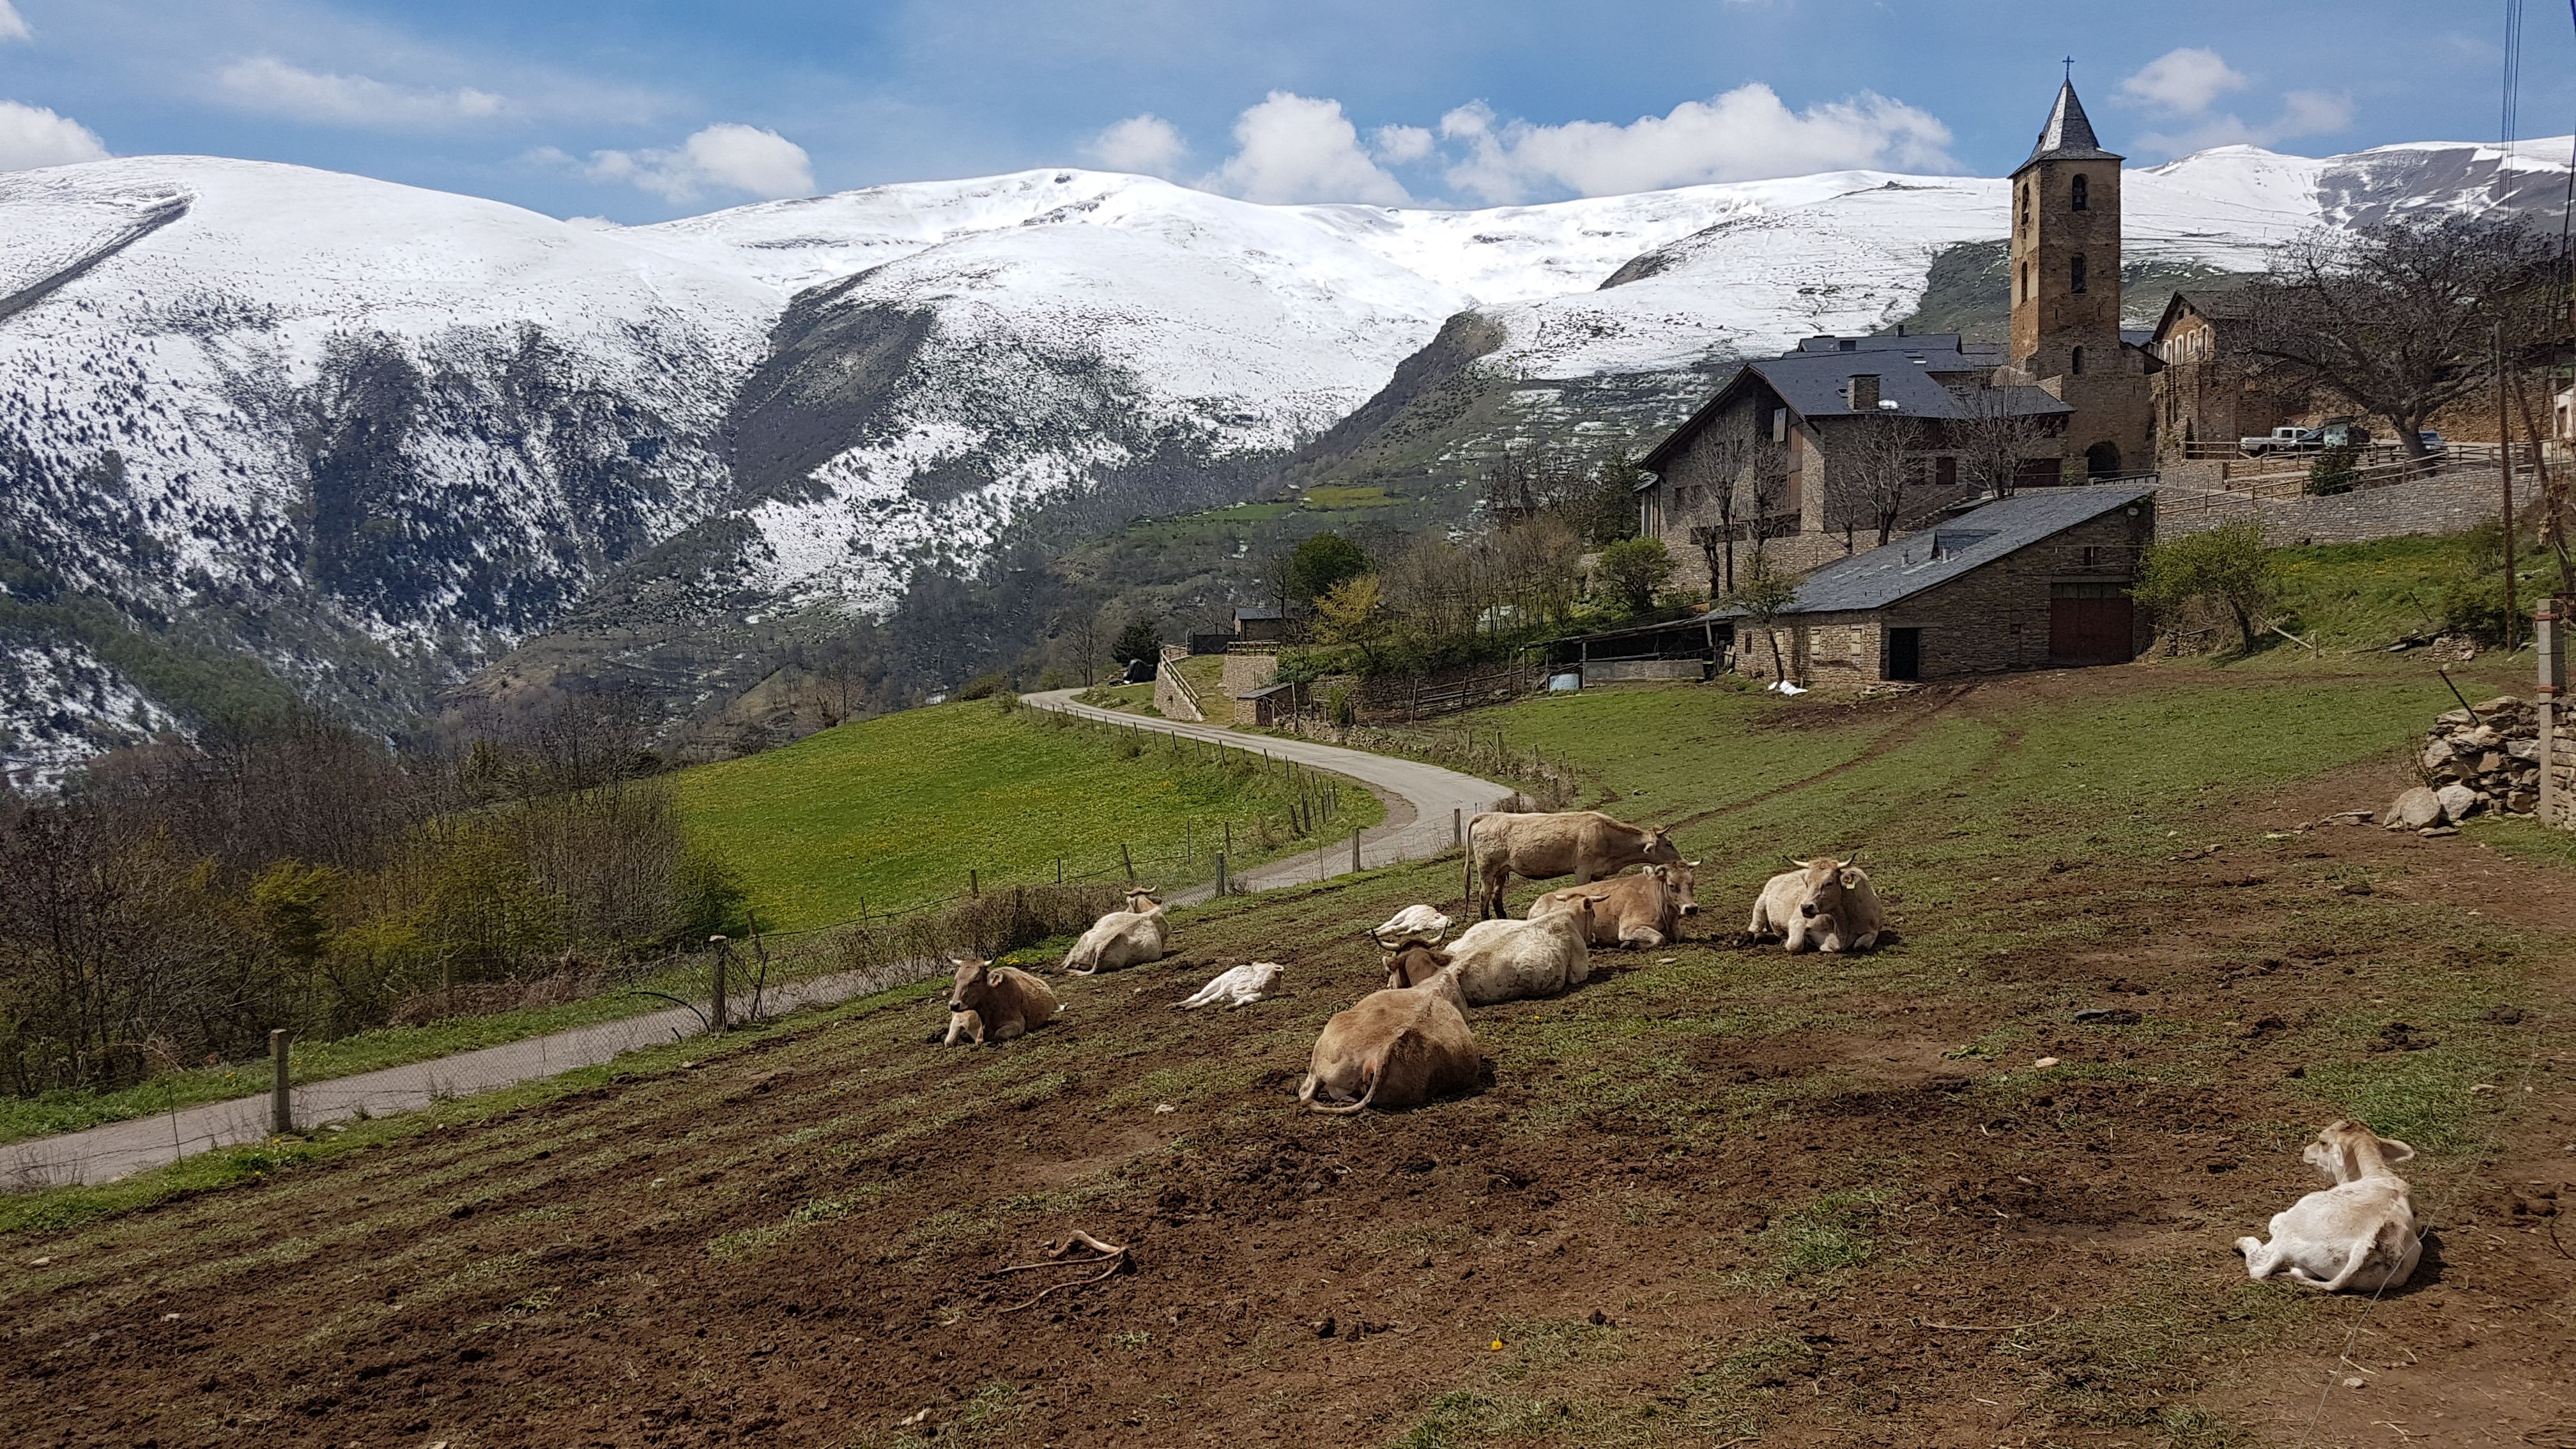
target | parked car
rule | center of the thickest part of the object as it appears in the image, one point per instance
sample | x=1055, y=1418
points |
x=2433, y=441
x=2335, y=433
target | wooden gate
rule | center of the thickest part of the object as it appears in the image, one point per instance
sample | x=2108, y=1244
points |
x=2090, y=624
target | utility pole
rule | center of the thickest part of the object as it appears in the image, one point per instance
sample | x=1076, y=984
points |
x=2504, y=467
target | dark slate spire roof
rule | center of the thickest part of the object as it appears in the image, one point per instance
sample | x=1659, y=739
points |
x=2068, y=136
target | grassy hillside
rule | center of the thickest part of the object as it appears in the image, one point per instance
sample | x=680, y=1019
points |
x=894, y=811
x=1716, y=1193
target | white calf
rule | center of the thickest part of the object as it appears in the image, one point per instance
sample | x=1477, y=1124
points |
x=1245, y=984
x=2360, y=1233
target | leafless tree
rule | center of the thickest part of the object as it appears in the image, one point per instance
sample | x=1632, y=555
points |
x=1766, y=488
x=1994, y=438
x=1710, y=517
x=1880, y=464
x=2403, y=317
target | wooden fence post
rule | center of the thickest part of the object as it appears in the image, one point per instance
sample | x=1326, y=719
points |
x=281, y=1103
x=1457, y=827
x=1059, y=870
x=1355, y=851
x=716, y=1003
x=974, y=885
x=1220, y=874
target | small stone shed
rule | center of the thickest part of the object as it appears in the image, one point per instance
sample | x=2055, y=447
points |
x=2037, y=580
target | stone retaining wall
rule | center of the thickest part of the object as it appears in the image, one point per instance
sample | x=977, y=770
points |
x=2447, y=504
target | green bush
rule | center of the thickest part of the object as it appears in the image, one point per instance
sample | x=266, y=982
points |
x=2227, y=566
x=1634, y=570
x=2332, y=471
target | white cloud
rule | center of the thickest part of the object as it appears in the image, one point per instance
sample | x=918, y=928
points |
x=272, y=85
x=1401, y=145
x=1145, y=144
x=2183, y=81
x=13, y=26
x=727, y=156
x=1296, y=148
x=1745, y=134
x=31, y=136
x=2303, y=113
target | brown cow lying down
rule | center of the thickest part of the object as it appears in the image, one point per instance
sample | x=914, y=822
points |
x=1584, y=844
x=1120, y=939
x=1397, y=1048
x=1640, y=910
x=988, y=1005
x=1824, y=903
x=1414, y=965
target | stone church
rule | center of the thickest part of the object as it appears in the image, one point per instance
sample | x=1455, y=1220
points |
x=1770, y=460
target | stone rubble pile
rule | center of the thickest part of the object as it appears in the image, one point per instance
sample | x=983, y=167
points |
x=2481, y=760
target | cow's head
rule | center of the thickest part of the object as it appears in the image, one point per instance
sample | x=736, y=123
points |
x=1826, y=879
x=1681, y=880
x=1140, y=899
x=2344, y=1147
x=972, y=984
x=1415, y=964
x=1660, y=849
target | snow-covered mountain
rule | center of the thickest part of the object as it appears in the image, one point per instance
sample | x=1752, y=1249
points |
x=269, y=429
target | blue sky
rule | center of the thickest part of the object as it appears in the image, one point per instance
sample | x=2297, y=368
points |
x=642, y=109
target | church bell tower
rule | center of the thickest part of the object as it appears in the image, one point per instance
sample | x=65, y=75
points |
x=2065, y=282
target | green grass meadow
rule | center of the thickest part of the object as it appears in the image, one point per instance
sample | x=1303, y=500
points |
x=893, y=812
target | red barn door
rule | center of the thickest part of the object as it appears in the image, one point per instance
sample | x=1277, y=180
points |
x=2090, y=624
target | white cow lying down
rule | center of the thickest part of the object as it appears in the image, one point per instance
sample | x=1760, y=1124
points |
x=1413, y=924
x=1507, y=960
x=1125, y=938
x=1245, y=984
x=2360, y=1233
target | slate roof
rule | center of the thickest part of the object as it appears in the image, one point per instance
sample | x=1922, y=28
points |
x=1814, y=385
x=1256, y=616
x=1962, y=545
x=2068, y=136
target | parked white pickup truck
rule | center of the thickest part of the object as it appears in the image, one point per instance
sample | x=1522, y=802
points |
x=2303, y=440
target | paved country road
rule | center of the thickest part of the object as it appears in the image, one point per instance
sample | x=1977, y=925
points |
x=1423, y=804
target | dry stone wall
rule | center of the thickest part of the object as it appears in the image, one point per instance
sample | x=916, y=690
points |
x=2485, y=760
x=2448, y=504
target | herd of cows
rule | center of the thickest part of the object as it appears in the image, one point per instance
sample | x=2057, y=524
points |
x=1410, y=1043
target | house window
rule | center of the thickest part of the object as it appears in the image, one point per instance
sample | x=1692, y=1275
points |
x=2076, y=364
x=2083, y=200
x=1945, y=472
x=2025, y=281
x=2075, y=273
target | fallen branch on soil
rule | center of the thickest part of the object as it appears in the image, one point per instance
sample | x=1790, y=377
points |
x=1113, y=1254
x=2053, y=1315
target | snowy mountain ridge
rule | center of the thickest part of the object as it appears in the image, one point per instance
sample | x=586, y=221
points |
x=267, y=424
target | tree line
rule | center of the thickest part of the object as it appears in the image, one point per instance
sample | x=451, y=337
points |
x=176, y=901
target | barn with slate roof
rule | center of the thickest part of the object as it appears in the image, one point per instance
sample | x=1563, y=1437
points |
x=2037, y=580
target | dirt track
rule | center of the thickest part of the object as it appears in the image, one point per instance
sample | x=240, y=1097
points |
x=1736, y=1199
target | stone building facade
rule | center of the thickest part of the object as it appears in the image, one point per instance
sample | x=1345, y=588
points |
x=1792, y=423
x=2203, y=391
x=2037, y=580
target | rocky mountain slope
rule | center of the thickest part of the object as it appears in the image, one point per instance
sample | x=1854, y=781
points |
x=268, y=432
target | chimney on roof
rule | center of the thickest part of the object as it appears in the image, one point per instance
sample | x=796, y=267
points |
x=1861, y=393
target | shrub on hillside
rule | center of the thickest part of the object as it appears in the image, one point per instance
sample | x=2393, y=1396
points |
x=2332, y=471
x=2227, y=567
x=1634, y=570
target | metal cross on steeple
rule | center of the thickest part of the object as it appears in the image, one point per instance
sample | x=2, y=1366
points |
x=2070, y=70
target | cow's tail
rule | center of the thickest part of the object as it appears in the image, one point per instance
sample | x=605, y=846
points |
x=1306, y=1094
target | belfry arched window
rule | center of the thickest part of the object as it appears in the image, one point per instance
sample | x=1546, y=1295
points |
x=2025, y=203
x=2075, y=273
x=2082, y=199
x=2076, y=363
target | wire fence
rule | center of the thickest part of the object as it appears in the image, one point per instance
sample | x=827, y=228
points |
x=730, y=982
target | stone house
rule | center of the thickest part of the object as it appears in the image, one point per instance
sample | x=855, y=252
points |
x=2204, y=390
x=1781, y=435
x=1783, y=421
x=2037, y=580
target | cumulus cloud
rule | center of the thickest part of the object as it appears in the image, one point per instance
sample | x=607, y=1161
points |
x=2185, y=84
x=266, y=83
x=2183, y=81
x=727, y=156
x=1401, y=145
x=1146, y=144
x=1744, y=135
x=13, y=26
x=31, y=136
x=1297, y=148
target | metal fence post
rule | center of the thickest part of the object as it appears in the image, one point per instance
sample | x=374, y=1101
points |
x=1128, y=861
x=716, y=1013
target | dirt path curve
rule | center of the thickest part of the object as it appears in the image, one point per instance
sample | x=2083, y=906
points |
x=1424, y=803
x=1419, y=798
